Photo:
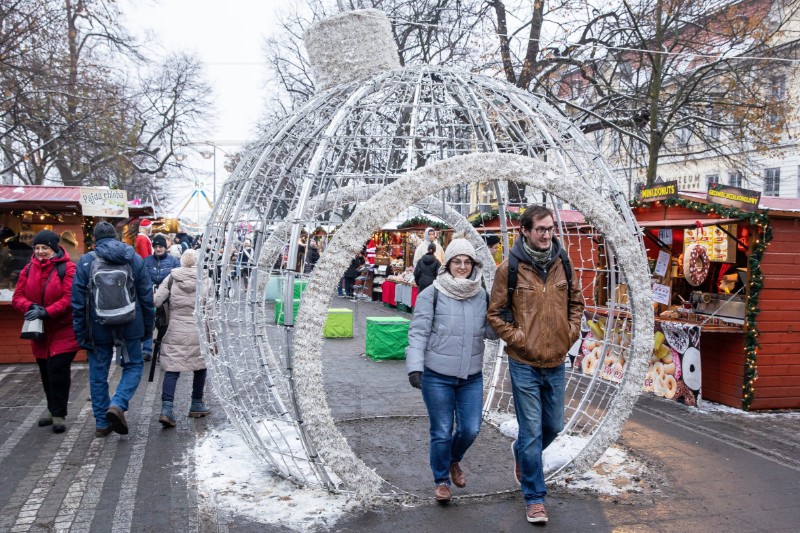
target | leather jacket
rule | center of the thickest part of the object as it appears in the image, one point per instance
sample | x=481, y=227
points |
x=546, y=320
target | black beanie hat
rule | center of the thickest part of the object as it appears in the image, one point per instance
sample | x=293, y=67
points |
x=159, y=240
x=104, y=230
x=491, y=240
x=48, y=238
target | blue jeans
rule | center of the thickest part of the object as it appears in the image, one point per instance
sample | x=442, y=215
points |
x=444, y=397
x=147, y=346
x=171, y=381
x=539, y=404
x=99, y=363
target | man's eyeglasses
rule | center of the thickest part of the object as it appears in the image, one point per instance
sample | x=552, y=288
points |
x=458, y=263
x=542, y=231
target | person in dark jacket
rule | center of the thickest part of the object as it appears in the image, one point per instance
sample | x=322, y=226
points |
x=444, y=358
x=351, y=273
x=100, y=340
x=311, y=257
x=427, y=268
x=42, y=293
x=158, y=266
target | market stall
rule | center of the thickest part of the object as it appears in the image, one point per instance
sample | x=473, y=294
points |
x=730, y=272
x=71, y=212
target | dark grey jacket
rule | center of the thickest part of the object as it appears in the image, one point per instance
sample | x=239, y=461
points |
x=451, y=343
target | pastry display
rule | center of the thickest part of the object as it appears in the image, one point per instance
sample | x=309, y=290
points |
x=696, y=264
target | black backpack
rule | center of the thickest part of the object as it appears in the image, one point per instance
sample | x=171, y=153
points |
x=112, y=292
x=513, y=268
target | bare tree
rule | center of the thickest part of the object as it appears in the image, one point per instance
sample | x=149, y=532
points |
x=70, y=115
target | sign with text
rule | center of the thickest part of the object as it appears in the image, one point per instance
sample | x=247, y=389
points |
x=665, y=236
x=661, y=293
x=662, y=264
x=659, y=191
x=97, y=202
x=743, y=199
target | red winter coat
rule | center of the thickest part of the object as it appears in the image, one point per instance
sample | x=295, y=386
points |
x=59, y=336
x=143, y=246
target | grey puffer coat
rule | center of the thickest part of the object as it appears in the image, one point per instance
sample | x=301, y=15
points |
x=450, y=343
x=180, y=350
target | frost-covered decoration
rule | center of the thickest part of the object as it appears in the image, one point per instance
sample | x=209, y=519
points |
x=408, y=190
x=436, y=138
x=350, y=46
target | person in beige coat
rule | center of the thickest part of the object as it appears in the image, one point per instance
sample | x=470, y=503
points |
x=180, y=350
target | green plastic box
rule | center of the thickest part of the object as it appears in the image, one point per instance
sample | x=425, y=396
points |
x=387, y=337
x=279, y=311
x=339, y=323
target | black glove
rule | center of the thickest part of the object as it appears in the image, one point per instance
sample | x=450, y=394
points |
x=415, y=378
x=35, y=311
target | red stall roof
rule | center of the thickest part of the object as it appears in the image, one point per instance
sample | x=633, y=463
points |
x=52, y=198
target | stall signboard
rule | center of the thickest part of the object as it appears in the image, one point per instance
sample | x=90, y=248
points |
x=661, y=293
x=99, y=202
x=717, y=240
x=674, y=370
x=743, y=199
x=659, y=191
x=662, y=264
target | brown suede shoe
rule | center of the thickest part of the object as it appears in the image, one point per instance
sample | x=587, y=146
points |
x=457, y=476
x=442, y=493
x=536, y=513
x=116, y=418
x=102, y=432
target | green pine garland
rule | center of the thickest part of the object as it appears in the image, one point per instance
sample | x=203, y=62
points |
x=420, y=220
x=756, y=280
x=483, y=218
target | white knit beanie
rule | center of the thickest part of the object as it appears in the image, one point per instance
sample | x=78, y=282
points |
x=189, y=258
x=460, y=247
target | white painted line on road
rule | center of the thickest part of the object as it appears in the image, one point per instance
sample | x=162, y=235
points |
x=23, y=428
x=29, y=511
x=123, y=515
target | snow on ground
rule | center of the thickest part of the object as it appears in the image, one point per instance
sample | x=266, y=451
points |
x=711, y=407
x=230, y=477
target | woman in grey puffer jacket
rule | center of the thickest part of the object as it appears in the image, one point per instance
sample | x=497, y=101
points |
x=445, y=359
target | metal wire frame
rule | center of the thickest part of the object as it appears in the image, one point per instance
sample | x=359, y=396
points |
x=314, y=170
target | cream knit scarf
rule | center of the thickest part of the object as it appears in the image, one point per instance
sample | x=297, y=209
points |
x=458, y=288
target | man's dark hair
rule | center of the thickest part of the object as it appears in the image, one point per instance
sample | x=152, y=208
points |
x=431, y=248
x=534, y=212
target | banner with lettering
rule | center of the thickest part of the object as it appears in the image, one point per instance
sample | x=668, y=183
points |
x=99, y=202
x=743, y=199
x=659, y=191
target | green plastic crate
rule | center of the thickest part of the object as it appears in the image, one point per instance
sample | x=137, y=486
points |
x=300, y=286
x=339, y=323
x=387, y=337
x=279, y=311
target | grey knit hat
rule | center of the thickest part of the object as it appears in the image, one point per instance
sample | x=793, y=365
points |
x=460, y=247
x=104, y=230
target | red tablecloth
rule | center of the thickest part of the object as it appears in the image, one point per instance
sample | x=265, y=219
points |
x=387, y=293
x=414, y=293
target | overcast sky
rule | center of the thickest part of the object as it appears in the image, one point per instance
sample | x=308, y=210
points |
x=228, y=38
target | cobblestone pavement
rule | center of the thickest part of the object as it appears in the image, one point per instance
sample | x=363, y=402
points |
x=709, y=470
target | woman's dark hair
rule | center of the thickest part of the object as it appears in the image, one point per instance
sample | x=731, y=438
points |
x=431, y=248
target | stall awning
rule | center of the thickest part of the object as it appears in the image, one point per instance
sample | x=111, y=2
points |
x=686, y=222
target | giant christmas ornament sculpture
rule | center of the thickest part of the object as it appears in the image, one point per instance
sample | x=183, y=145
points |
x=375, y=142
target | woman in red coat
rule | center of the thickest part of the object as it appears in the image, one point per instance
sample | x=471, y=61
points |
x=43, y=291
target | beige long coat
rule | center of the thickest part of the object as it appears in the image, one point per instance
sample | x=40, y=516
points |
x=180, y=350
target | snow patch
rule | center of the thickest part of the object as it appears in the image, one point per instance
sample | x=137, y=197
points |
x=229, y=477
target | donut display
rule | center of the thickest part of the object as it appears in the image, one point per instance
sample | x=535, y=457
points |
x=676, y=337
x=696, y=264
x=669, y=386
x=691, y=369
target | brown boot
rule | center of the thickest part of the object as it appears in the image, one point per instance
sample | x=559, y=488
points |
x=442, y=493
x=457, y=476
x=116, y=418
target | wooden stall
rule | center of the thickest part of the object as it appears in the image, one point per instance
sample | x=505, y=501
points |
x=751, y=351
x=26, y=210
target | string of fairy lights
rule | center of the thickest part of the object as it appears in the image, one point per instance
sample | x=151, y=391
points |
x=755, y=283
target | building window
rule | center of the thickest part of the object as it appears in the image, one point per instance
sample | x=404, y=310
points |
x=712, y=179
x=772, y=182
x=735, y=178
x=684, y=134
x=778, y=88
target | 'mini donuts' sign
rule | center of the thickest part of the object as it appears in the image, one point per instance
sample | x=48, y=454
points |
x=659, y=191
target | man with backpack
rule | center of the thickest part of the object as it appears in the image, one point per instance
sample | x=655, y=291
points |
x=536, y=309
x=112, y=309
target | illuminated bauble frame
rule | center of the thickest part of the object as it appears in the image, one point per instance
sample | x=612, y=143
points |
x=352, y=158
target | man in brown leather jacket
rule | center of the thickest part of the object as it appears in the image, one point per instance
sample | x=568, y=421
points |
x=546, y=315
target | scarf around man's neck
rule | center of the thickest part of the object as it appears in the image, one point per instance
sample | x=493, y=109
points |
x=538, y=257
x=458, y=288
